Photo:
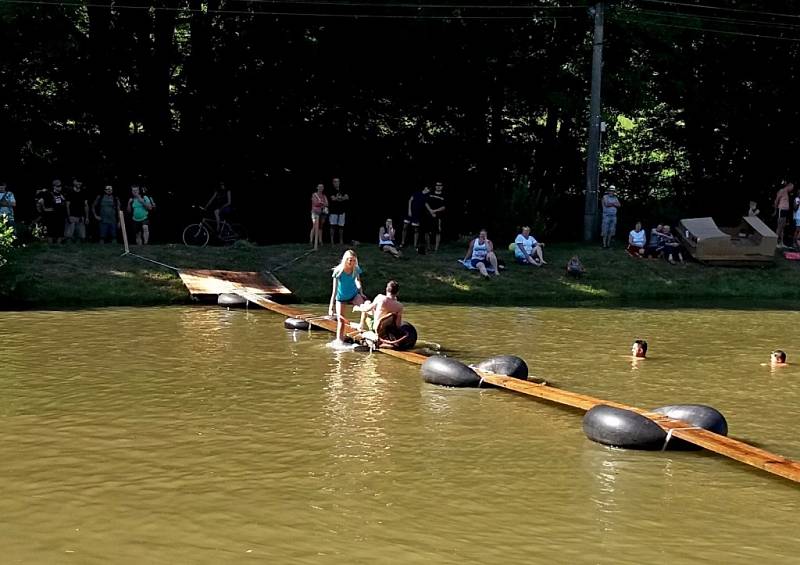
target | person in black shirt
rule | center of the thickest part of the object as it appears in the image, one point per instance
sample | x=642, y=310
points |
x=221, y=203
x=53, y=205
x=436, y=209
x=77, y=212
x=416, y=209
x=339, y=204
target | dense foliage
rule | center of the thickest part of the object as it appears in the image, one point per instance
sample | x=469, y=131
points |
x=6, y=239
x=273, y=96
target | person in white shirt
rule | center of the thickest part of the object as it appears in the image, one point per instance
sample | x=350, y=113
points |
x=637, y=239
x=527, y=250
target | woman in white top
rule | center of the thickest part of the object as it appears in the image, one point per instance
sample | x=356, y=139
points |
x=386, y=239
x=481, y=252
x=527, y=250
x=637, y=239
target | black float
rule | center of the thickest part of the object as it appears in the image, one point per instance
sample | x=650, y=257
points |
x=507, y=365
x=622, y=428
x=295, y=324
x=698, y=415
x=230, y=300
x=445, y=371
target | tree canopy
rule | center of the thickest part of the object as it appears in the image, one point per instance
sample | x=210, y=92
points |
x=274, y=97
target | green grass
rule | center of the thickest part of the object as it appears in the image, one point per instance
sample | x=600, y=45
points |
x=68, y=276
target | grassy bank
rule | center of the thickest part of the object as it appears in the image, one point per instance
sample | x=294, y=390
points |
x=66, y=276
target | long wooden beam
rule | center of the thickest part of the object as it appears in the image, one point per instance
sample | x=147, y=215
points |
x=734, y=449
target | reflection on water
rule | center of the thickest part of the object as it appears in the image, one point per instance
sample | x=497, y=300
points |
x=202, y=435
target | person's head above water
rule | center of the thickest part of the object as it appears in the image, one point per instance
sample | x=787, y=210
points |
x=639, y=348
x=778, y=357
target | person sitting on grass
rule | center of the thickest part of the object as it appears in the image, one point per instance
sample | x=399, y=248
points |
x=386, y=236
x=655, y=245
x=639, y=349
x=479, y=253
x=637, y=239
x=527, y=250
x=388, y=315
x=575, y=267
x=672, y=247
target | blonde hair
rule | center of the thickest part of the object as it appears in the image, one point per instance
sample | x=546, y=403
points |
x=338, y=269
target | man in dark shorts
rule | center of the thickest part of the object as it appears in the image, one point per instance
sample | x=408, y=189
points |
x=77, y=212
x=339, y=204
x=416, y=209
x=436, y=209
x=54, y=212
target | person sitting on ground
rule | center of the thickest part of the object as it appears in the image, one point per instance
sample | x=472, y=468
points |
x=753, y=210
x=480, y=252
x=637, y=239
x=388, y=315
x=347, y=289
x=655, y=245
x=778, y=357
x=672, y=247
x=639, y=349
x=527, y=250
x=575, y=267
x=386, y=239
x=220, y=203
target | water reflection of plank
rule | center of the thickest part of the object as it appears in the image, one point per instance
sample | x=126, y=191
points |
x=729, y=447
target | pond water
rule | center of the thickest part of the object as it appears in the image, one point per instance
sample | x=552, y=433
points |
x=200, y=435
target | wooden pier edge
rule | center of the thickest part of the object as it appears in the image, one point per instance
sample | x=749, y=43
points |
x=723, y=445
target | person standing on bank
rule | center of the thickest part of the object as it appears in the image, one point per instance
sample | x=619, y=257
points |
x=77, y=212
x=416, y=208
x=610, y=206
x=7, y=203
x=436, y=209
x=319, y=207
x=783, y=209
x=139, y=207
x=339, y=206
x=106, y=211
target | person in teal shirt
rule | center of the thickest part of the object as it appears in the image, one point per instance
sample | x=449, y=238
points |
x=139, y=207
x=346, y=290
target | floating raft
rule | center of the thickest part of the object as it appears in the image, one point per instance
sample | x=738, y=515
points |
x=734, y=449
x=204, y=283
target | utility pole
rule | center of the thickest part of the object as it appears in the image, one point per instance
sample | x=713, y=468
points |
x=593, y=150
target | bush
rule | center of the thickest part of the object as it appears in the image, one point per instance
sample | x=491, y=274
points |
x=6, y=239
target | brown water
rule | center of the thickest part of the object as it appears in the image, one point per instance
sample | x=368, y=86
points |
x=192, y=435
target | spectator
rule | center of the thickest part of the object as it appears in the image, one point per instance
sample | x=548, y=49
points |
x=220, y=203
x=106, y=211
x=7, y=203
x=339, y=206
x=77, y=212
x=796, y=239
x=610, y=206
x=528, y=251
x=416, y=207
x=672, y=247
x=53, y=205
x=386, y=239
x=575, y=267
x=436, y=209
x=319, y=207
x=637, y=239
x=139, y=207
x=781, y=204
x=655, y=246
x=753, y=210
x=479, y=253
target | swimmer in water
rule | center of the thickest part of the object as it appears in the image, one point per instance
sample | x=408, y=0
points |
x=777, y=357
x=639, y=349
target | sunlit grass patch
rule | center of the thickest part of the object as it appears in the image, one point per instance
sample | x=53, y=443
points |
x=587, y=289
x=450, y=281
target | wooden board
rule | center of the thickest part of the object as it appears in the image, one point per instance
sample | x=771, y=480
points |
x=723, y=445
x=224, y=282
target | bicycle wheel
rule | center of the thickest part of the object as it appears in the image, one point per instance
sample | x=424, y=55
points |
x=196, y=235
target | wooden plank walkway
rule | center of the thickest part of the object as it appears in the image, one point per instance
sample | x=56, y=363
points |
x=723, y=445
x=205, y=282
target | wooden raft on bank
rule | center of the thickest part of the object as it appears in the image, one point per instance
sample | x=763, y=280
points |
x=216, y=282
x=729, y=447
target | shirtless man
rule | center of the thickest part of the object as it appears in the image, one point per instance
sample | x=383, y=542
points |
x=782, y=210
x=388, y=315
x=639, y=349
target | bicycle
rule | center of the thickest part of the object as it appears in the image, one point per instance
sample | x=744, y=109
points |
x=200, y=233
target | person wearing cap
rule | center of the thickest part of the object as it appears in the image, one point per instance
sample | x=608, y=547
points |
x=609, y=225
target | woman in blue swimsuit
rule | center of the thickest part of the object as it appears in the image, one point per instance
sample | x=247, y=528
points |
x=480, y=253
x=346, y=289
